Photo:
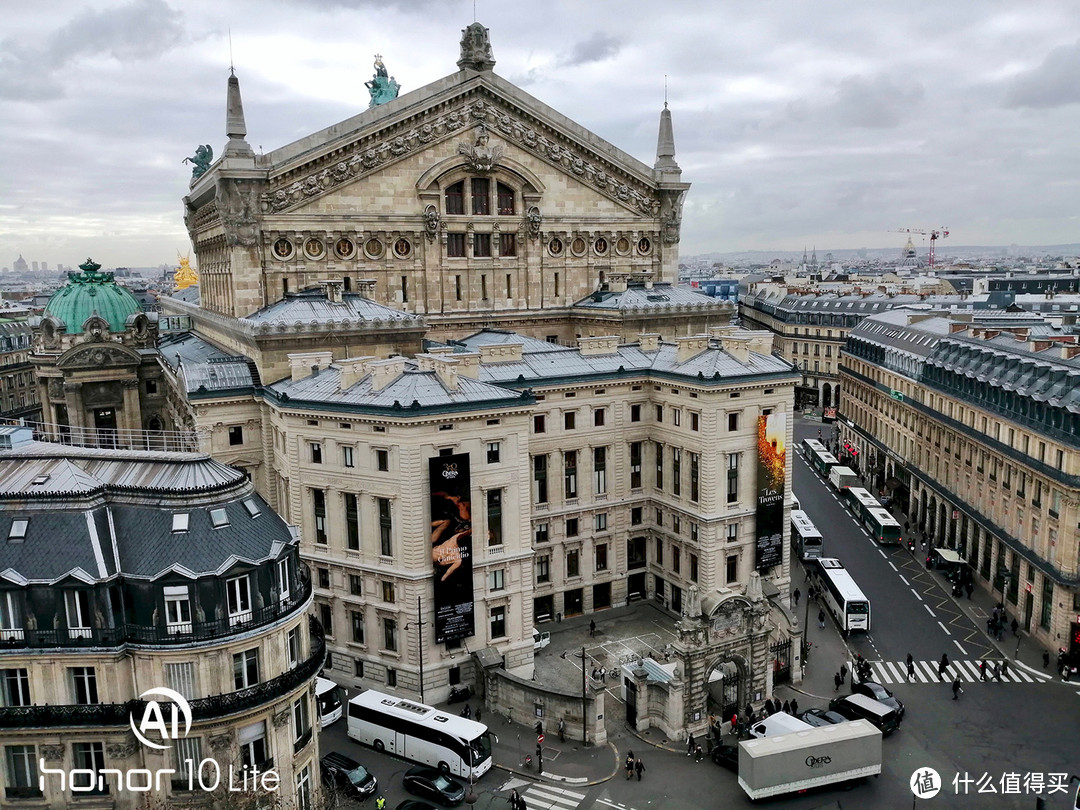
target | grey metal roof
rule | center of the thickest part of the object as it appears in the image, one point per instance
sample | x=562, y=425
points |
x=499, y=337
x=312, y=306
x=203, y=365
x=190, y=295
x=660, y=296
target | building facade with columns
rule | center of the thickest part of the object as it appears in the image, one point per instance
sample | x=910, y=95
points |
x=972, y=419
x=173, y=573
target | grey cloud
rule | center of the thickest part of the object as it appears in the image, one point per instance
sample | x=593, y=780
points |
x=596, y=48
x=1051, y=84
x=874, y=103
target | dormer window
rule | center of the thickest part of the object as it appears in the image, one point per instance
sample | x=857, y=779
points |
x=17, y=532
x=11, y=624
x=177, y=609
x=252, y=508
x=180, y=522
x=78, y=614
x=219, y=518
x=41, y=479
x=238, y=599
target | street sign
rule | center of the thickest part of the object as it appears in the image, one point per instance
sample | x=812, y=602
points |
x=539, y=739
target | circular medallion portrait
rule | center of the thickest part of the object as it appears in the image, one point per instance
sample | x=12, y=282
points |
x=373, y=248
x=402, y=248
x=600, y=246
x=644, y=245
x=344, y=248
x=555, y=246
x=283, y=248
x=314, y=249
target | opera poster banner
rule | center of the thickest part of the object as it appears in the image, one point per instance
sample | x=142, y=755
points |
x=771, y=471
x=451, y=546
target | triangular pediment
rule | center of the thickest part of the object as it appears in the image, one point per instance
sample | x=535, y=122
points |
x=449, y=113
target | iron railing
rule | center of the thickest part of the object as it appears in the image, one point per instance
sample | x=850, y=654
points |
x=182, y=441
x=207, y=708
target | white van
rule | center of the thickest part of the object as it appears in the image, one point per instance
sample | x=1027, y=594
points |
x=777, y=724
x=540, y=640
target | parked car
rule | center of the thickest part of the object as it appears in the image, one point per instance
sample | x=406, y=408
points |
x=433, y=784
x=875, y=691
x=414, y=804
x=348, y=775
x=726, y=756
x=821, y=717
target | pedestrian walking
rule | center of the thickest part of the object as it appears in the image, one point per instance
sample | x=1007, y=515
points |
x=1005, y=668
x=943, y=666
x=769, y=707
x=797, y=593
x=794, y=707
x=594, y=673
x=515, y=799
x=592, y=627
x=467, y=712
x=969, y=587
x=982, y=670
x=380, y=803
x=997, y=671
x=838, y=681
x=910, y=667
x=562, y=728
x=603, y=673
x=478, y=713
x=690, y=744
x=698, y=754
x=1015, y=625
x=639, y=768
x=630, y=760
x=843, y=672
x=1046, y=658
x=821, y=619
x=956, y=690
x=786, y=708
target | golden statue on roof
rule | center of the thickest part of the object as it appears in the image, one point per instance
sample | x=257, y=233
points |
x=185, y=275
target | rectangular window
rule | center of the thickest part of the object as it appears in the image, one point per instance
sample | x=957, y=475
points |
x=573, y=563
x=14, y=687
x=506, y=200
x=732, y=568
x=676, y=524
x=660, y=551
x=493, y=452
x=543, y=569
x=732, y=477
x=497, y=579
x=177, y=609
x=78, y=614
x=84, y=685
x=598, y=417
x=695, y=421
x=316, y=453
x=455, y=198
x=732, y=422
x=732, y=532
x=599, y=470
x=635, y=465
x=659, y=413
x=539, y=424
x=455, y=249
x=600, y=522
x=693, y=568
x=570, y=420
x=245, y=668
x=180, y=677
x=601, y=557
x=695, y=477
x=676, y=559
x=388, y=591
x=404, y=289
x=356, y=585
x=301, y=723
x=541, y=533
x=292, y=646
x=326, y=618
x=572, y=527
x=498, y=622
x=187, y=754
x=676, y=471
x=636, y=553
x=1047, y=606
x=347, y=457
x=556, y=280
x=389, y=634
x=358, y=668
x=382, y=460
x=252, y=739
x=236, y=435
x=356, y=619
x=481, y=196
x=482, y=250
x=494, y=517
x=570, y=474
x=386, y=527
x=238, y=599
x=637, y=516
x=676, y=416
x=352, y=521
x=659, y=517
x=659, y=464
x=324, y=578
x=318, y=500
x=635, y=413
x=89, y=760
x=20, y=763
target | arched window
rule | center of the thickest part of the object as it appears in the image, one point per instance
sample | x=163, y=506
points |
x=506, y=200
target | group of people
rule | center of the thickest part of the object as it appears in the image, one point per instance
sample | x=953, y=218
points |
x=467, y=712
x=860, y=668
x=634, y=765
x=998, y=620
x=517, y=801
x=602, y=673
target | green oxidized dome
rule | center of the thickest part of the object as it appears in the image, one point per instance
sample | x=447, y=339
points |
x=92, y=291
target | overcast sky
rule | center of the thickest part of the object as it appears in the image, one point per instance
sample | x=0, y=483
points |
x=797, y=122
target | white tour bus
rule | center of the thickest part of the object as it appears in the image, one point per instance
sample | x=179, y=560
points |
x=420, y=733
x=848, y=605
x=805, y=536
x=328, y=699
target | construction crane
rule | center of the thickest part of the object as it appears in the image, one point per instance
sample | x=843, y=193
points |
x=934, y=234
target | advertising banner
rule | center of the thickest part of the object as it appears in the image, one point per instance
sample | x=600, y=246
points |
x=771, y=471
x=451, y=546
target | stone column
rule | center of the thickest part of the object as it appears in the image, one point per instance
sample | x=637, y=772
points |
x=73, y=400
x=131, y=414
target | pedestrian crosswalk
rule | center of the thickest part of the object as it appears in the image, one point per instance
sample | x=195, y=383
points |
x=968, y=671
x=550, y=797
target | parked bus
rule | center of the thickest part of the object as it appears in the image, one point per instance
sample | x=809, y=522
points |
x=848, y=605
x=420, y=733
x=883, y=527
x=861, y=500
x=819, y=456
x=805, y=536
x=328, y=699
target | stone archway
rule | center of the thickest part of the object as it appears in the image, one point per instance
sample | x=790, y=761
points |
x=826, y=395
x=727, y=686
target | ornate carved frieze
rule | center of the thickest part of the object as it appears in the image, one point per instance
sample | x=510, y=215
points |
x=122, y=749
x=368, y=155
x=221, y=742
x=237, y=201
x=52, y=753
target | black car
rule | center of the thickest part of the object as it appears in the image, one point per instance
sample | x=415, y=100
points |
x=875, y=691
x=726, y=756
x=414, y=804
x=433, y=784
x=821, y=717
x=347, y=775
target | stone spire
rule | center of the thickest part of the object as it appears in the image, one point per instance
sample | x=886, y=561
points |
x=665, y=144
x=235, y=128
x=476, y=48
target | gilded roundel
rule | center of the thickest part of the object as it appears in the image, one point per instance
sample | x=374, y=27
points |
x=577, y=247
x=373, y=248
x=344, y=248
x=644, y=245
x=402, y=248
x=314, y=248
x=283, y=249
x=555, y=247
x=622, y=246
x=600, y=246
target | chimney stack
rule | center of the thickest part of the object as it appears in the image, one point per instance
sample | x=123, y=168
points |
x=303, y=364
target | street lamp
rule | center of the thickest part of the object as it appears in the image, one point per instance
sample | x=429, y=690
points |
x=419, y=625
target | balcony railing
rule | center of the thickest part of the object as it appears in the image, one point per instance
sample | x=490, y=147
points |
x=208, y=708
x=182, y=441
x=163, y=635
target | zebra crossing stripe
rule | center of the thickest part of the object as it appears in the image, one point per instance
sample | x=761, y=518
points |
x=968, y=669
x=545, y=797
x=899, y=670
x=1019, y=672
x=882, y=672
x=930, y=669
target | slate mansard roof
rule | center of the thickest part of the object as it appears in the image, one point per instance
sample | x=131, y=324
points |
x=95, y=514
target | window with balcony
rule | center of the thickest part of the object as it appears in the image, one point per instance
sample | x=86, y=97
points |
x=389, y=634
x=83, y=685
x=245, y=668
x=301, y=716
x=21, y=768
x=494, y=517
x=570, y=474
x=599, y=470
x=635, y=465
x=177, y=609
x=386, y=527
x=78, y=614
x=11, y=621
x=14, y=687
x=540, y=487
x=238, y=599
x=88, y=759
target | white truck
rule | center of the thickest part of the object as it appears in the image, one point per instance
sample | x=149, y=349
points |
x=771, y=766
x=843, y=477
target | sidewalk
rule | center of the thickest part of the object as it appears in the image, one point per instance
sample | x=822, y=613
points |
x=565, y=762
